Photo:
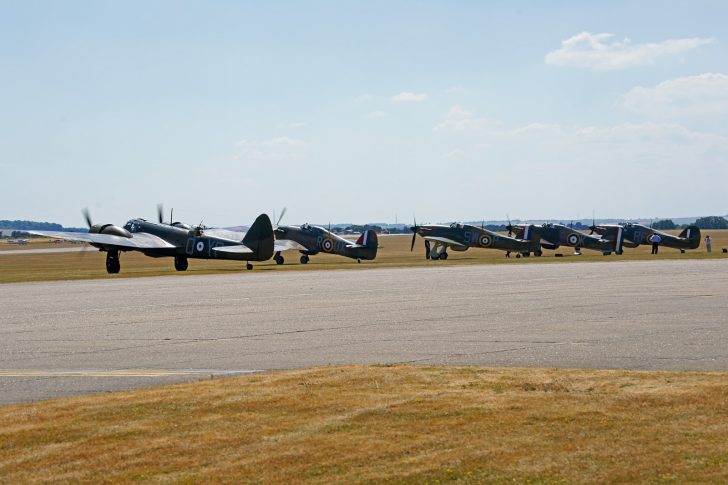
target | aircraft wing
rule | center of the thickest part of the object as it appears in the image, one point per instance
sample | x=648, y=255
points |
x=286, y=244
x=139, y=240
x=237, y=248
x=444, y=240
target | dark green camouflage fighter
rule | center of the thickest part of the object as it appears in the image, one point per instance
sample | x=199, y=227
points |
x=310, y=240
x=460, y=237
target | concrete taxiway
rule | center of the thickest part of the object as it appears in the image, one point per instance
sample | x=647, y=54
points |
x=64, y=338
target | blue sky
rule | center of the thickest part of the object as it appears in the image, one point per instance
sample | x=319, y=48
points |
x=357, y=111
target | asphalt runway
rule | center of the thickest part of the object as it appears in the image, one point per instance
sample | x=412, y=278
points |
x=65, y=338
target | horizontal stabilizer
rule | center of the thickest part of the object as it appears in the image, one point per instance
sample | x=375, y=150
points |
x=236, y=249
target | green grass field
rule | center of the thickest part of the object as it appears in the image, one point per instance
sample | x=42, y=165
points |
x=394, y=251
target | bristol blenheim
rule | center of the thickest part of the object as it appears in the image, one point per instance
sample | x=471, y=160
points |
x=173, y=239
x=460, y=237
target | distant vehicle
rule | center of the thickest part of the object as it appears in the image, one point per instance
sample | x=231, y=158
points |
x=555, y=235
x=19, y=242
x=461, y=237
x=177, y=240
x=632, y=235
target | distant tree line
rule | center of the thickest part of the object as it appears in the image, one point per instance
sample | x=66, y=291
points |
x=20, y=226
x=710, y=222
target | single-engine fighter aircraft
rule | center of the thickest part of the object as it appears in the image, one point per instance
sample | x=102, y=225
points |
x=460, y=237
x=632, y=235
x=555, y=235
x=172, y=239
x=310, y=240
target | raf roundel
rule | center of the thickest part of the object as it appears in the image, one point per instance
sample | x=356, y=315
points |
x=485, y=240
x=327, y=245
x=573, y=239
x=200, y=246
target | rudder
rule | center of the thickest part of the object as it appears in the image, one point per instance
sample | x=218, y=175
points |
x=259, y=238
x=692, y=234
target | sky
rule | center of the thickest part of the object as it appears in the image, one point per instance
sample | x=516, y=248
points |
x=362, y=111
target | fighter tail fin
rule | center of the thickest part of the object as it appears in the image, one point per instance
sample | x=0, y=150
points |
x=259, y=238
x=533, y=235
x=692, y=234
x=369, y=240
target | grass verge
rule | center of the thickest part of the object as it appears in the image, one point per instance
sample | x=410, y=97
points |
x=383, y=424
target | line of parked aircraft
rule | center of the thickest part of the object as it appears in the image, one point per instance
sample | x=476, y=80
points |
x=264, y=240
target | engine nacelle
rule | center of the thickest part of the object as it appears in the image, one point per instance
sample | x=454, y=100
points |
x=109, y=229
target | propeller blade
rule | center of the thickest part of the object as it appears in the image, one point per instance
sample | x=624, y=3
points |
x=87, y=216
x=160, y=213
x=414, y=232
x=281, y=217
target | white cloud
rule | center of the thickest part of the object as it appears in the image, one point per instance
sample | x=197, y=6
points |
x=704, y=94
x=278, y=149
x=378, y=114
x=406, y=97
x=594, y=51
x=459, y=119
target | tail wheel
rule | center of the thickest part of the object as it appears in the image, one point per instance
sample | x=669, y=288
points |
x=279, y=259
x=249, y=266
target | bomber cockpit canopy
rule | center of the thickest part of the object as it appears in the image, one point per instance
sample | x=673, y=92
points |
x=132, y=225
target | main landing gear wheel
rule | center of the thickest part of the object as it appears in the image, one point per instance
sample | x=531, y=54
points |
x=537, y=253
x=180, y=263
x=248, y=266
x=113, y=265
x=278, y=258
x=443, y=256
x=304, y=259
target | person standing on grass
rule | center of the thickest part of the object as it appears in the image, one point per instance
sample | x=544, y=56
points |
x=708, y=243
x=655, y=239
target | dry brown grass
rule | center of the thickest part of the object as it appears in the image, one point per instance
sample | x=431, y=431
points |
x=394, y=251
x=383, y=424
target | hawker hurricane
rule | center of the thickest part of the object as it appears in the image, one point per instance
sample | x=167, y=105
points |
x=310, y=240
x=632, y=235
x=461, y=237
x=555, y=235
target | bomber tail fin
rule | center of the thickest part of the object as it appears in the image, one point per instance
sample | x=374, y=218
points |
x=259, y=238
x=692, y=233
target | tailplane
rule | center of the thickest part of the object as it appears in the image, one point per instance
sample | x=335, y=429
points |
x=259, y=238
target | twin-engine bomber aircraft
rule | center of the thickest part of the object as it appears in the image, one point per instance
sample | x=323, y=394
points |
x=310, y=240
x=460, y=237
x=172, y=239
